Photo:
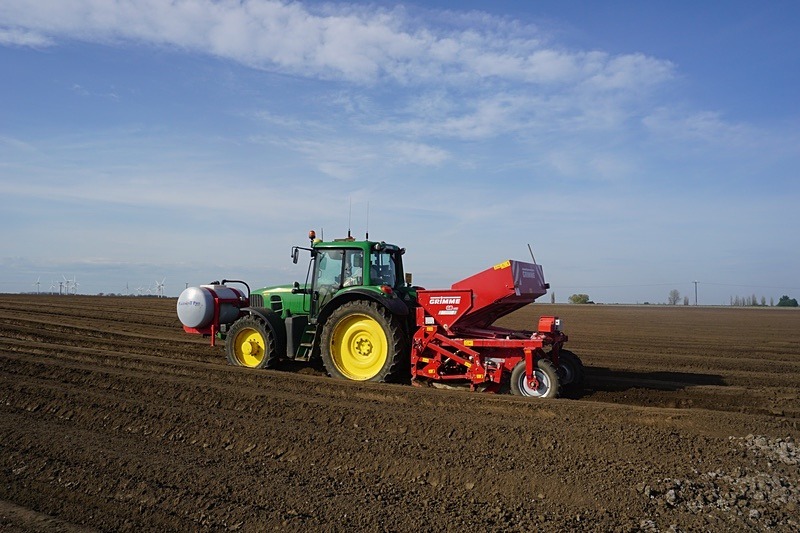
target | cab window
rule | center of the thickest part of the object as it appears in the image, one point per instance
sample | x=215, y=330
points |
x=353, y=268
x=382, y=269
x=339, y=268
x=329, y=268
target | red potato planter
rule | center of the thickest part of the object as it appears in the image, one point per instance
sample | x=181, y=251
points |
x=456, y=343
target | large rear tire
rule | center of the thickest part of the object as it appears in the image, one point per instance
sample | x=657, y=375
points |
x=363, y=341
x=546, y=375
x=250, y=343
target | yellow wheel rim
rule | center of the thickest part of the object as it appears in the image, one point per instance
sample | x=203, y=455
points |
x=249, y=347
x=359, y=347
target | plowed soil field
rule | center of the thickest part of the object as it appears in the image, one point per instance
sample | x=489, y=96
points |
x=113, y=419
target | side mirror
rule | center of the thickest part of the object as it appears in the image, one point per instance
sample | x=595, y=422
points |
x=295, y=256
x=296, y=285
x=409, y=278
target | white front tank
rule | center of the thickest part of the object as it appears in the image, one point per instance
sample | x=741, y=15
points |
x=196, y=305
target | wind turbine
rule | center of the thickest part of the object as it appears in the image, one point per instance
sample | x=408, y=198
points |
x=66, y=283
x=160, y=287
x=53, y=285
x=75, y=284
x=37, y=283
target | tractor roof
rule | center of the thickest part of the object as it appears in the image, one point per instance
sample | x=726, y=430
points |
x=350, y=242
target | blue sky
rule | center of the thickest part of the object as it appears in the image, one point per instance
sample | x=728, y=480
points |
x=637, y=146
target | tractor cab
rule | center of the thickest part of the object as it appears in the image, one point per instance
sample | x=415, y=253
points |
x=340, y=268
x=373, y=269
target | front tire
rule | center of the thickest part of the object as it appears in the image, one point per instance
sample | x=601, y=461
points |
x=250, y=343
x=362, y=341
x=545, y=374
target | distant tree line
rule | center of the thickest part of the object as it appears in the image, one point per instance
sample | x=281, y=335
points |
x=675, y=297
x=752, y=301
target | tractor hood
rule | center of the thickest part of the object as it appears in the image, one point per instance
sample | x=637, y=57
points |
x=281, y=299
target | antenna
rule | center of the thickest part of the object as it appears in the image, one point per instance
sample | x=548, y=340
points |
x=349, y=217
x=367, y=238
x=531, y=252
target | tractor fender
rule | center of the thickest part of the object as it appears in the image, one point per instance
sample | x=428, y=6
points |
x=274, y=323
x=396, y=306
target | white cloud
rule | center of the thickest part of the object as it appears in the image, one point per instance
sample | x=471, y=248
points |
x=135, y=169
x=18, y=37
x=474, y=76
x=445, y=116
x=627, y=71
x=339, y=41
x=288, y=122
x=706, y=126
x=419, y=153
x=343, y=159
x=16, y=144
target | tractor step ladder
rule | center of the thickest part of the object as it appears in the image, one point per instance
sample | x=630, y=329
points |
x=306, y=345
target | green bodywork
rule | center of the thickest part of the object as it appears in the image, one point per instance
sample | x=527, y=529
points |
x=281, y=300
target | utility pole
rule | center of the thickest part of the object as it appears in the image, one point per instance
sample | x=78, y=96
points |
x=695, y=292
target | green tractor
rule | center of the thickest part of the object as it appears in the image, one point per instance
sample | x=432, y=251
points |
x=354, y=312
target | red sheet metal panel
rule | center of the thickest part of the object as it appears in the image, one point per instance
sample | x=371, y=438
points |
x=445, y=306
x=500, y=290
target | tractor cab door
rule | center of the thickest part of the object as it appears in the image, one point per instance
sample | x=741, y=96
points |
x=335, y=269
